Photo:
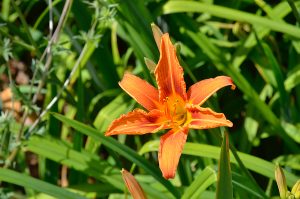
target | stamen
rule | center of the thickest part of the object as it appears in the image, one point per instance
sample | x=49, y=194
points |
x=173, y=110
x=166, y=105
x=175, y=107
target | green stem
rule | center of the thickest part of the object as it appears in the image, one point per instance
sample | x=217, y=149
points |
x=5, y=9
x=245, y=170
x=294, y=10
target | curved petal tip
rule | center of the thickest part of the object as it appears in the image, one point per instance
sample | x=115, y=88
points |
x=170, y=149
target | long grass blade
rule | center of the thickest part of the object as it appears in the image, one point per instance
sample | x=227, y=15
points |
x=20, y=179
x=231, y=14
x=120, y=149
x=224, y=183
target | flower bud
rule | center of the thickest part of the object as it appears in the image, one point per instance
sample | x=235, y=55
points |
x=296, y=189
x=151, y=65
x=281, y=182
x=133, y=186
x=157, y=34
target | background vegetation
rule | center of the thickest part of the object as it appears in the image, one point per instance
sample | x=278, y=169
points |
x=66, y=57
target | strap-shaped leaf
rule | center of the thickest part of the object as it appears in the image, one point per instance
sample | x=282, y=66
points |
x=224, y=183
x=20, y=179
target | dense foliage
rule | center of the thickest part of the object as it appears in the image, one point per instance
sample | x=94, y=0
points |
x=60, y=64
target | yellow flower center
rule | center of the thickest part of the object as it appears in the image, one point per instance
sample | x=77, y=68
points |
x=175, y=111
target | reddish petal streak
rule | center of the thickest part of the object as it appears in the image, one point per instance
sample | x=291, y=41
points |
x=137, y=122
x=140, y=90
x=169, y=73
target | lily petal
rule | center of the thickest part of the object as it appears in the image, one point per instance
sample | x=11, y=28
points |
x=168, y=72
x=205, y=118
x=170, y=149
x=140, y=90
x=137, y=122
x=201, y=91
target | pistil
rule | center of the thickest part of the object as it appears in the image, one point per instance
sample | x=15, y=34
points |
x=175, y=111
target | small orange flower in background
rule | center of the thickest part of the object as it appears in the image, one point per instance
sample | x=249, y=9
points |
x=169, y=106
x=132, y=185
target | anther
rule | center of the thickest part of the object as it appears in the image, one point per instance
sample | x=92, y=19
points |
x=174, y=111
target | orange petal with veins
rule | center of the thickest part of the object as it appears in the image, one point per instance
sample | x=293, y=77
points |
x=205, y=118
x=137, y=122
x=168, y=72
x=201, y=91
x=171, y=145
x=140, y=90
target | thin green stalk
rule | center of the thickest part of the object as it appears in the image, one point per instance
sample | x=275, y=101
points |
x=41, y=17
x=15, y=39
x=53, y=40
x=231, y=14
x=5, y=9
x=15, y=150
x=66, y=83
x=294, y=10
x=24, y=23
x=47, y=65
x=246, y=172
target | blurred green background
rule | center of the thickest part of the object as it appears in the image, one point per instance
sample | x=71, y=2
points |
x=62, y=60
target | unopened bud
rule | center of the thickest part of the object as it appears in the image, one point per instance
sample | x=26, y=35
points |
x=281, y=182
x=157, y=33
x=296, y=190
x=150, y=64
x=133, y=186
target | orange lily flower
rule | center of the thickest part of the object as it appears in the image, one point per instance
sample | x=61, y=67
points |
x=169, y=107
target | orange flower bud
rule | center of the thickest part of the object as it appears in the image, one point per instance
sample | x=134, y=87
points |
x=157, y=33
x=133, y=186
x=281, y=182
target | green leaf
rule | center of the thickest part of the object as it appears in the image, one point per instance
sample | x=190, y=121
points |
x=243, y=183
x=120, y=105
x=206, y=178
x=280, y=11
x=111, y=111
x=277, y=74
x=292, y=80
x=100, y=189
x=218, y=58
x=20, y=179
x=88, y=163
x=84, y=162
x=120, y=149
x=231, y=14
x=253, y=163
x=224, y=183
x=292, y=130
